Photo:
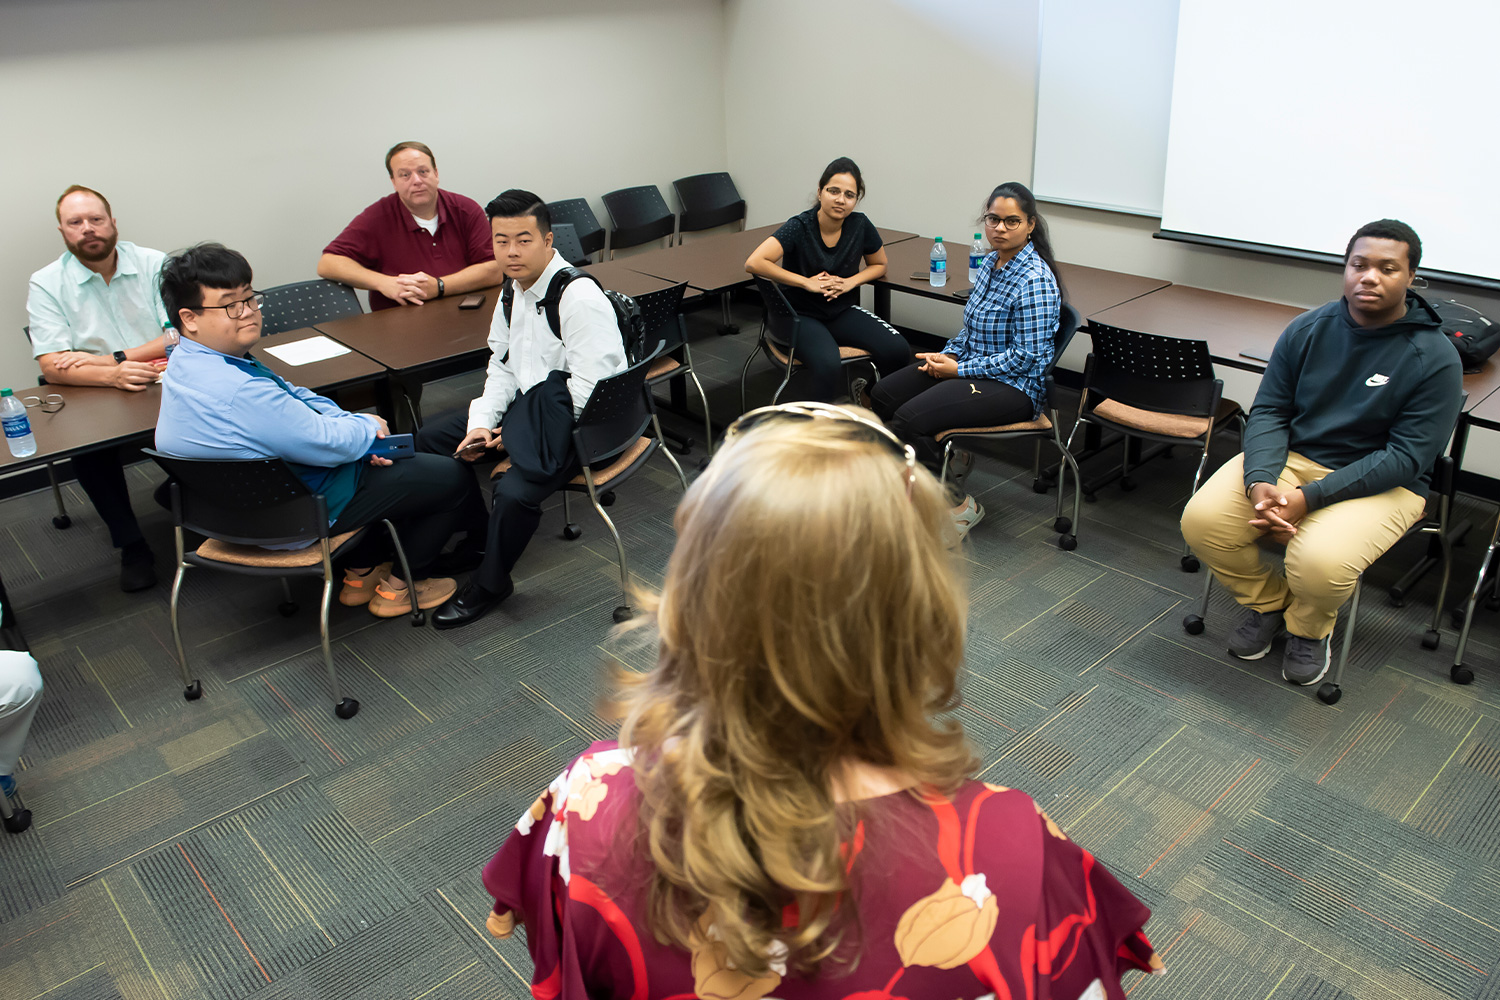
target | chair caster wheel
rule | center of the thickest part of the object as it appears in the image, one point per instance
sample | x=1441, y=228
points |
x=1088, y=498
x=287, y=608
x=418, y=619
x=1193, y=624
x=1127, y=484
x=1461, y=674
x=1396, y=599
x=572, y=532
x=193, y=691
x=62, y=521
x=623, y=614
x=1039, y=486
x=1329, y=693
x=607, y=498
x=1190, y=564
x=1431, y=639
x=1062, y=525
x=1067, y=542
x=346, y=709
x=18, y=821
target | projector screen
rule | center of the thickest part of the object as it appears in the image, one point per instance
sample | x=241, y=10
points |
x=1294, y=122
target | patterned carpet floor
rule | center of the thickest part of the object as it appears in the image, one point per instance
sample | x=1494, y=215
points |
x=250, y=845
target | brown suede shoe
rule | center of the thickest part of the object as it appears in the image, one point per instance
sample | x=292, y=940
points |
x=391, y=601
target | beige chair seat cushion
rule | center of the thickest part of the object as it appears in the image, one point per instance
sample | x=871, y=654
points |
x=1042, y=423
x=845, y=353
x=1169, y=424
x=601, y=477
x=661, y=366
x=254, y=555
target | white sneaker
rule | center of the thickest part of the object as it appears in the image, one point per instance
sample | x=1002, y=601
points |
x=970, y=514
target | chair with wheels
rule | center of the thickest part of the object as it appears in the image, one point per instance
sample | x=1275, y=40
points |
x=241, y=506
x=611, y=444
x=1460, y=672
x=778, y=338
x=1330, y=692
x=565, y=242
x=661, y=314
x=638, y=215
x=306, y=303
x=709, y=201
x=1044, y=426
x=60, y=520
x=576, y=213
x=1159, y=389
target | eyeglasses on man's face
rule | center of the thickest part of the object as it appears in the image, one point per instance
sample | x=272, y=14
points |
x=1009, y=223
x=236, y=310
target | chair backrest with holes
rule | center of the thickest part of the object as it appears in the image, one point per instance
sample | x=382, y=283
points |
x=782, y=321
x=1150, y=372
x=576, y=213
x=661, y=312
x=256, y=501
x=565, y=242
x=306, y=303
x=637, y=215
x=708, y=200
x=616, y=415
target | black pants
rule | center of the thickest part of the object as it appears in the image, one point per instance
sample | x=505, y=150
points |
x=424, y=496
x=818, y=343
x=102, y=475
x=517, y=503
x=916, y=406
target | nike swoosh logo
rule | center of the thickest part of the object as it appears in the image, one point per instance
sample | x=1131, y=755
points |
x=1377, y=380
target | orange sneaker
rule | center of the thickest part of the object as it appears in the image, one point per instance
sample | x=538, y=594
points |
x=359, y=588
x=391, y=601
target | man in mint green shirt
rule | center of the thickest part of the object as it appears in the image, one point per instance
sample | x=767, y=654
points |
x=96, y=318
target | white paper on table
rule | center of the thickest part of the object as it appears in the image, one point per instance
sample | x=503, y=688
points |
x=305, y=352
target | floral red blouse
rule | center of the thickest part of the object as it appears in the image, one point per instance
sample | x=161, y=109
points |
x=978, y=895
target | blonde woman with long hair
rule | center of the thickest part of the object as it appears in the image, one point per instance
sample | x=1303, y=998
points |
x=790, y=810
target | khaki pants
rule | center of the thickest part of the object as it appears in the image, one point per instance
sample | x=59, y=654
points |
x=1324, y=559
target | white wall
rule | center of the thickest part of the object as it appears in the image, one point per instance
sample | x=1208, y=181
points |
x=264, y=123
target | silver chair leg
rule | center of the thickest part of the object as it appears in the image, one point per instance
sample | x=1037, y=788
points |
x=1434, y=636
x=344, y=708
x=418, y=616
x=791, y=362
x=708, y=423
x=676, y=465
x=744, y=374
x=192, y=689
x=61, y=519
x=1338, y=671
x=947, y=457
x=624, y=612
x=570, y=530
x=1461, y=674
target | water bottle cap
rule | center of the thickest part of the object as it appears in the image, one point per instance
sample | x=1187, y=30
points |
x=6, y=392
x=976, y=236
x=939, y=239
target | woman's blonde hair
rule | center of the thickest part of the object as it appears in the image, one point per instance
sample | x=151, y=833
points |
x=812, y=615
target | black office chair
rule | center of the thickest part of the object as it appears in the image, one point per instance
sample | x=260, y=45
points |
x=708, y=201
x=778, y=338
x=565, y=242
x=1044, y=426
x=661, y=314
x=1159, y=389
x=576, y=213
x=243, y=505
x=306, y=303
x=60, y=520
x=14, y=820
x=611, y=443
x=638, y=215
x=1330, y=692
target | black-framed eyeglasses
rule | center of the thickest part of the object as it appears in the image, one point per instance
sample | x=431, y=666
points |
x=827, y=411
x=1010, y=222
x=49, y=403
x=234, y=310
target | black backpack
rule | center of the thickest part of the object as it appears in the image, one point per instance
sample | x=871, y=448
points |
x=627, y=313
x=1468, y=330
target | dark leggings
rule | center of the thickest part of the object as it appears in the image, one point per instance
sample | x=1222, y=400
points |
x=818, y=343
x=916, y=407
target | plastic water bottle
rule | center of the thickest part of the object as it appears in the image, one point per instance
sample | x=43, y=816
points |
x=977, y=253
x=17, y=428
x=171, y=337
x=937, y=264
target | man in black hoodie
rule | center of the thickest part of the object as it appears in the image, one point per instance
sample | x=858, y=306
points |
x=1357, y=402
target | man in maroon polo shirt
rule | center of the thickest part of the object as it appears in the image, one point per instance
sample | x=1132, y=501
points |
x=417, y=244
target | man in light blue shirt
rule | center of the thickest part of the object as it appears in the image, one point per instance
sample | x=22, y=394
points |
x=96, y=318
x=218, y=403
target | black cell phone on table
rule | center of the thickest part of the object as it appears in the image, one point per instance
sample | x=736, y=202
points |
x=471, y=302
x=1256, y=354
x=393, y=447
x=963, y=294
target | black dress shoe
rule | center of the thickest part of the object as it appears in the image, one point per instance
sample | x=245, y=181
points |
x=137, y=574
x=470, y=604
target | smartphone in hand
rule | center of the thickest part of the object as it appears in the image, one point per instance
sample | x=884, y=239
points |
x=393, y=447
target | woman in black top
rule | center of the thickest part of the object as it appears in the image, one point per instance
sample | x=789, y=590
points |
x=822, y=255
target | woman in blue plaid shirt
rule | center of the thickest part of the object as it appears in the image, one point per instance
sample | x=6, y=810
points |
x=991, y=374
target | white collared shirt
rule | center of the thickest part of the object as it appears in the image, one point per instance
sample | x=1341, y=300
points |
x=71, y=308
x=589, y=348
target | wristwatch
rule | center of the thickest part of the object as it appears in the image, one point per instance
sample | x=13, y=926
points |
x=441, y=290
x=119, y=357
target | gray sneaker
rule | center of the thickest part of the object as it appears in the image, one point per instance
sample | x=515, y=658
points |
x=859, y=392
x=1306, y=660
x=1256, y=631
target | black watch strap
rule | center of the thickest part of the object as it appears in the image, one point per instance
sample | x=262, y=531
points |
x=119, y=357
x=441, y=290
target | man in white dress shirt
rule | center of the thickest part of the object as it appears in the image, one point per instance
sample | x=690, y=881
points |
x=96, y=318
x=528, y=364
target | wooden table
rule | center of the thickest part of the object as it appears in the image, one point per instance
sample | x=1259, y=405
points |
x=1092, y=289
x=1229, y=323
x=94, y=417
x=619, y=276
x=329, y=375
x=420, y=340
